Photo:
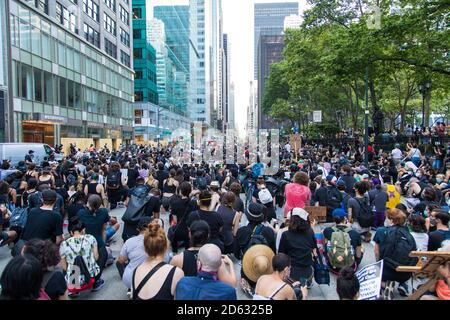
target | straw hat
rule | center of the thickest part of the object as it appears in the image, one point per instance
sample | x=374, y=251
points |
x=257, y=262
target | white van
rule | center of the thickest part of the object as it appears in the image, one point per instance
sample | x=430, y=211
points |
x=16, y=152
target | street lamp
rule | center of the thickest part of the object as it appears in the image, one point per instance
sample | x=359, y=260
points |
x=424, y=88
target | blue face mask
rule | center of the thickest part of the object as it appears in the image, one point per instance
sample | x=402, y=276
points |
x=439, y=181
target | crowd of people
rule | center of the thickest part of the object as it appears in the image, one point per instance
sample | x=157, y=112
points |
x=186, y=227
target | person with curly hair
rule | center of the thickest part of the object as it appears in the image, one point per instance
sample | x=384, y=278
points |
x=47, y=253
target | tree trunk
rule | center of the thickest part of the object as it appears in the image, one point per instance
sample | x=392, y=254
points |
x=427, y=109
x=377, y=116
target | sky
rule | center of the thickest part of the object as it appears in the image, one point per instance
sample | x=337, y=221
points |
x=238, y=24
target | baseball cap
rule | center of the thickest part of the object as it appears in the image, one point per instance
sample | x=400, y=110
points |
x=49, y=196
x=299, y=212
x=199, y=226
x=331, y=178
x=341, y=183
x=339, y=212
x=365, y=176
x=215, y=184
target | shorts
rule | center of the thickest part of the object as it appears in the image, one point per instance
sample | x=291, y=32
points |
x=110, y=231
x=356, y=226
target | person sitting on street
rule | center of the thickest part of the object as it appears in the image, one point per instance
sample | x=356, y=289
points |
x=347, y=285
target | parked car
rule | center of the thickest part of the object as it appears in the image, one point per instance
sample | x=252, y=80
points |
x=16, y=152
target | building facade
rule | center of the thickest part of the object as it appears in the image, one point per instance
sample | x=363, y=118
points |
x=4, y=94
x=252, y=109
x=206, y=41
x=144, y=57
x=71, y=71
x=292, y=22
x=270, y=50
x=269, y=21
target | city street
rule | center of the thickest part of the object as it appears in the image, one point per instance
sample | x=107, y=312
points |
x=115, y=290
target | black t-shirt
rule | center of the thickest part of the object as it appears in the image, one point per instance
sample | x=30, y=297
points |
x=179, y=207
x=239, y=205
x=244, y=233
x=355, y=237
x=133, y=174
x=436, y=238
x=94, y=223
x=213, y=219
x=153, y=206
x=43, y=224
x=321, y=196
x=161, y=175
x=72, y=210
x=56, y=286
x=299, y=247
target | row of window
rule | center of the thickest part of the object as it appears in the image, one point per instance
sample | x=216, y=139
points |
x=139, y=75
x=66, y=18
x=38, y=85
x=39, y=42
x=138, y=54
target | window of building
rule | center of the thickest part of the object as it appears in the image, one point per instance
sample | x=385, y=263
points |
x=111, y=4
x=138, y=74
x=62, y=91
x=137, y=34
x=137, y=53
x=137, y=121
x=124, y=16
x=138, y=96
x=48, y=88
x=124, y=37
x=66, y=18
x=111, y=48
x=109, y=24
x=91, y=9
x=42, y=5
x=137, y=13
x=139, y=113
x=125, y=58
x=91, y=35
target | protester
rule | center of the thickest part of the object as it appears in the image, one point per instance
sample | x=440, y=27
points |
x=347, y=285
x=206, y=285
x=297, y=193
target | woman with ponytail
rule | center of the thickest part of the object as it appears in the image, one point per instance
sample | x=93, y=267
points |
x=155, y=279
x=95, y=218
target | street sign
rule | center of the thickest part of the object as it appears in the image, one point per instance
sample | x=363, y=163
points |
x=317, y=116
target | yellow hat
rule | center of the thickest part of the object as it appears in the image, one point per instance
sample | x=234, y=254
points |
x=257, y=262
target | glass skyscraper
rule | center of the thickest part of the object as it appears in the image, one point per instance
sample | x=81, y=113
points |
x=269, y=21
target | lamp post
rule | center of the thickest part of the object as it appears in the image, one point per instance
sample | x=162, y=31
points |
x=366, y=120
x=424, y=88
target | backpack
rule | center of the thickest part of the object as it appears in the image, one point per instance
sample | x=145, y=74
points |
x=340, y=251
x=255, y=238
x=113, y=180
x=366, y=216
x=265, y=196
x=257, y=170
x=19, y=218
x=200, y=183
x=334, y=198
x=397, y=246
x=16, y=184
x=80, y=264
x=136, y=206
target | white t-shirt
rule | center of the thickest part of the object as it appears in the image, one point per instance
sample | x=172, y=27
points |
x=421, y=239
x=397, y=153
x=288, y=147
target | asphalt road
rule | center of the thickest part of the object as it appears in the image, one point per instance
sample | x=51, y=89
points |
x=115, y=290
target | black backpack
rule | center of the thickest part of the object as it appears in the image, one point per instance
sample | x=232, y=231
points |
x=334, y=198
x=81, y=265
x=397, y=246
x=113, y=179
x=255, y=238
x=136, y=205
x=366, y=216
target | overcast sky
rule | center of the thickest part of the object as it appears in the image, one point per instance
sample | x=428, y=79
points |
x=238, y=23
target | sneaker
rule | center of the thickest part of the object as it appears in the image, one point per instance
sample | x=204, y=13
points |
x=403, y=289
x=98, y=285
x=388, y=292
x=73, y=295
x=129, y=295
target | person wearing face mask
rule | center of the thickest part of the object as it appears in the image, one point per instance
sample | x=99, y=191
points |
x=440, y=219
x=276, y=286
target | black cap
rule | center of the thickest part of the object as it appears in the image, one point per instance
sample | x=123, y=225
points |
x=199, y=225
x=144, y=222
x=255, y=212
x=49, y=196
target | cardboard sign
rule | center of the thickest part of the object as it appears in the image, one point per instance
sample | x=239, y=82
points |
x=317, y=213
x=369, y=279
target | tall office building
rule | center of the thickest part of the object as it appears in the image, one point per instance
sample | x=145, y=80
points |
x=270, y=50
x=292, y=22
x=206, y=39
x=71, y=71
x=252, y=109
x=176, y=27
x=4, y=53
x=269, y=21
x=231, y=106
x=224, y=80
